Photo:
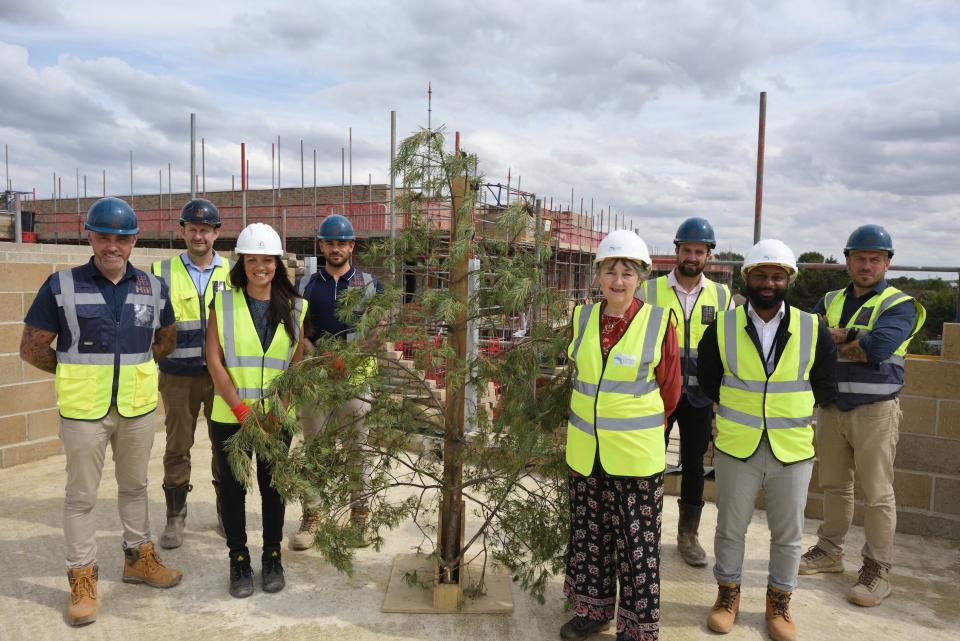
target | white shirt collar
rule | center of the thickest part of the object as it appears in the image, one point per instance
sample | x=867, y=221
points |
x=756, y=318
x=673, y=282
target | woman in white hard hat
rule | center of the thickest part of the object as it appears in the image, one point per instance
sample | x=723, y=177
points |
x=255, y=332
x=626, y=371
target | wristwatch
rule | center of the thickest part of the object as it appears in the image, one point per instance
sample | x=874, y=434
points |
x=852, y=334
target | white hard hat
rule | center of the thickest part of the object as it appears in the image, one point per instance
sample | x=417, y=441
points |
x=623, y=243
x=259, y=238
x=771, y=251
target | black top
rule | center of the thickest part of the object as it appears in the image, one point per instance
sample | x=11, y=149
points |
x=822, y=373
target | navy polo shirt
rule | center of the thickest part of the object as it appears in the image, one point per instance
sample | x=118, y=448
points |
x=43, y=313
x=323, y=294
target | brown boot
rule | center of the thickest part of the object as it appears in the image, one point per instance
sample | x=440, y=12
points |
x=360, y=519
x=724, y=611
x=83, y=595
x=780, y=625
x=142, y=565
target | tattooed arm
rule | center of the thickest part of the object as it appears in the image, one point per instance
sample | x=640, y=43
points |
x=35, y=348
x=852, y=351
x=164, y=341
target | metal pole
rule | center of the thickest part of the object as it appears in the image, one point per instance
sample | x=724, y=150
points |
x=273, y=169
x=761, y=141
x=303, y=184
x=393, y=184
x=315, y=198
x=279, y=188
x=343, y=188
x=17, y=222
x=6, y=155
x=169, y=191
x=243, y=184
x=203, y=163
x=350, y=156
x=131, y=177
x=78, y=191
x=84, y=185
x=193, y=154
x=104, y=183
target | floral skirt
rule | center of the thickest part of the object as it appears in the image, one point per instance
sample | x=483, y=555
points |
x=615, y=536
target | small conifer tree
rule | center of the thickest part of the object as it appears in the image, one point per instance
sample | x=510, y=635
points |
x=509, y=468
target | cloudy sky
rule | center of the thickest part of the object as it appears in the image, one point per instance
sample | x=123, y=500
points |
x=648, y=107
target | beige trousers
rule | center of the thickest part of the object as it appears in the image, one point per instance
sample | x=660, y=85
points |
x=85, y=444
x=861, y=441
x=314, y=421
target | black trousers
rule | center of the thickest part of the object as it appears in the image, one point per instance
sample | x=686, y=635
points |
x=615, y=538
x=233, y=497
x=696, y=424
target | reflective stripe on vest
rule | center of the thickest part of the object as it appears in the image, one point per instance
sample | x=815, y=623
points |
x=190, y=309
x=690, y=332
x=864, y=383
x=84, y=379
x=752, y=401
x=251, y=369
x=615, y=403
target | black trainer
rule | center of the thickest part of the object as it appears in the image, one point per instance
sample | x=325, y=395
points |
x=579, y=628
x=272, y=572
x=241, y=575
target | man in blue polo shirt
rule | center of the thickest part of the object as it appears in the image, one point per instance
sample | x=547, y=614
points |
x=872, y=324
x=322, y=290
x=111, y=322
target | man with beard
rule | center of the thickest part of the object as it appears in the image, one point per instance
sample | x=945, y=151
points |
x=872, y=324
x=322, y=290
x=767, y=365
x=194, y=277
x=695, y=301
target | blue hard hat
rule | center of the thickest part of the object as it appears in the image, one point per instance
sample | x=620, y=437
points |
x=112, y=216
x=696, y=230
x=869, y=238
x=336, y=227
x=200, y=211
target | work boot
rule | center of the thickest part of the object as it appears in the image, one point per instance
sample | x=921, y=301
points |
x=219, y=528
x=360, y=519
x=303, y=539
x=687, y=530
x=241, y=575
x=172, y=536
x=142, y=565
x=723, y=614
x=780, y=625
x=83, y=595
x=873, y=586
x=271, y=571
x=579, y=628
x=817, y=560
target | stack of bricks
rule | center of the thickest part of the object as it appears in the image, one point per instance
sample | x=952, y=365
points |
x=927, y=467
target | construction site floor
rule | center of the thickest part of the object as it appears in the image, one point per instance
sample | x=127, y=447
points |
x=320, y=604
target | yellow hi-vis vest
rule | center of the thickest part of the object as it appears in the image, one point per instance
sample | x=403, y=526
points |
x=752, y=402
x=94, y=343
x=866, y=381
x=191, y=310
x=712, y=299
x=615, y=404
x=250, y=368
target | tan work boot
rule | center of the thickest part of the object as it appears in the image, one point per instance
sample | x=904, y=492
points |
x=724, y=611
x=142, y=565
x=303, y=539
x=360, y=519
x=817, y=560
x=83, y=595
x=780, y=625
x=873, y=586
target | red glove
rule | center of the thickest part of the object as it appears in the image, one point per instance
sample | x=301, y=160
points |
x=241, y=411
x=339, y=365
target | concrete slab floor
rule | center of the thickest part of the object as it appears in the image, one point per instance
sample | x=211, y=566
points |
x=319, y=603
